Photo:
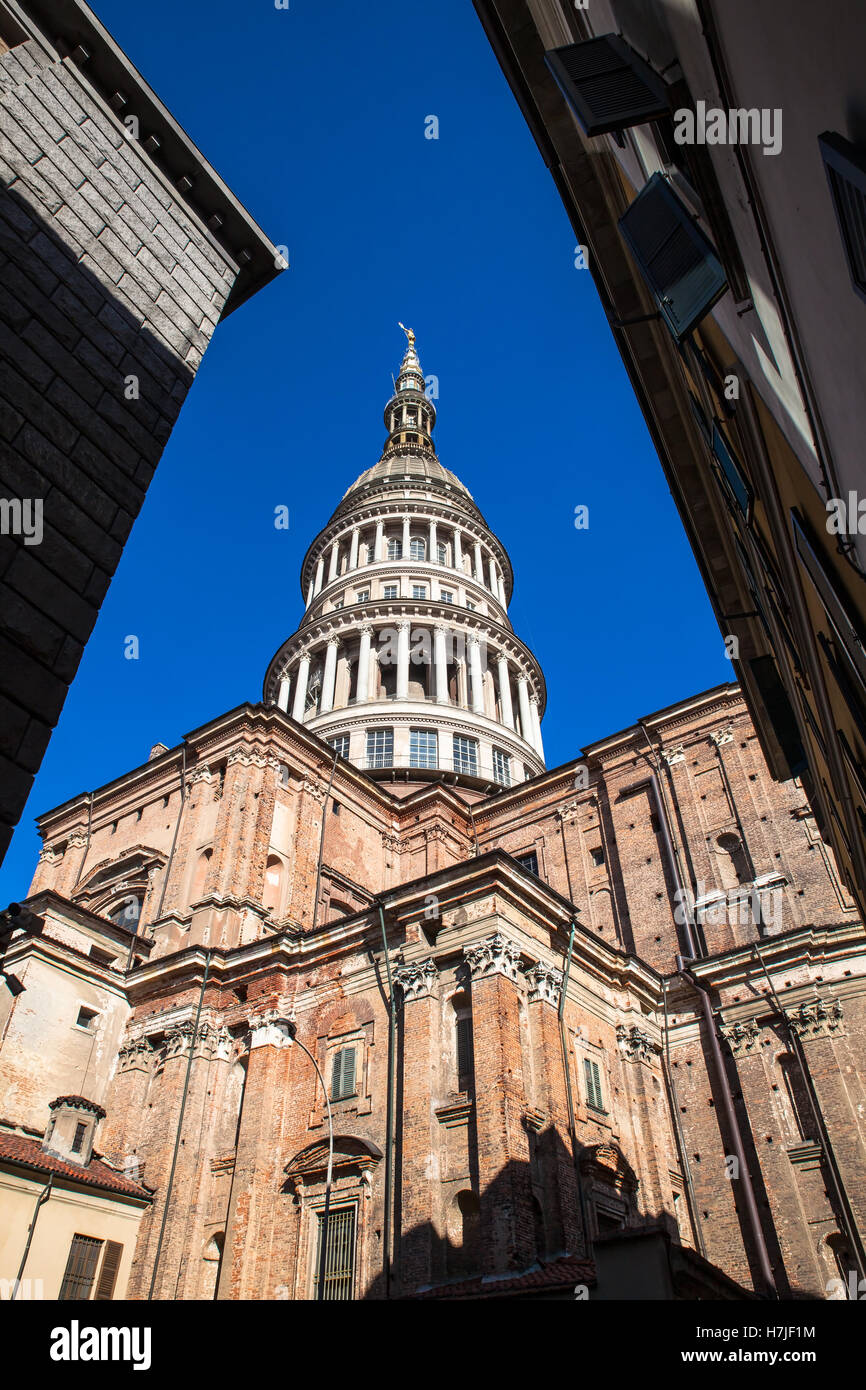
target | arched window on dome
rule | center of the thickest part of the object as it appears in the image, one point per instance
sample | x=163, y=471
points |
x=417, y=548
x=273, y=890
x=395, y=549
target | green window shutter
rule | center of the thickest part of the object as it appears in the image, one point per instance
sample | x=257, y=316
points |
x=108, y=1272
x=464, y=1047
x=592, y=1077
x=607, y=84
x=348, y=1071
x=336, y=1076
x=677, y=262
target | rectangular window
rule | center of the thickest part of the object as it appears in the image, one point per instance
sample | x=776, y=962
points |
x=732, y=473
x=109, y=1271
x=362, y=596
x=343, y=1074
x=446, y=596
x=389, y=591
x=340, y=744
x=380, y=747
x=592, y=1081
x=86, y=1017
x=597, y=857
x=80, y=1268
x=419, y=590
x=501, y=767
x=78, y=1137
x=470, y=604
x=465, y=755
x=423, y=748
x=339, y=1254
x=528, y=861
x=845, y=168
x=465, y=1064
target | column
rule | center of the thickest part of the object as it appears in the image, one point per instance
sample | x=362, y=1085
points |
x=458, y=551
x=363, y=686
x=477, y=683
x=494, y=585
x=353, y=550
x=380, y=536
x=406, y=526
x=505, y=693
x=283, y=697
x=502, y=595
x=329, y=678
x=301, y=689
x=525, y=716
x=536, y=725
x=402, y=660
x=418, y=984
x=311, y=589
x=440, y=664
x=479, y=563
x=320, y=573
x=433, y=542
x=335, y=557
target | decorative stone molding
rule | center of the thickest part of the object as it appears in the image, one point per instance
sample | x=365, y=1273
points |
x=634, y=1044
x=269, y=1029
x=48, y=855
x=495, y=955
x=393, y=843
x=816, y=1018
x=720, y=736
x=200, y=774
x=314, y=789
x=545, y=983
x=417, y=979
x=250, y=757
x=78, y=839
x=673, y=755
x=568, y=812
x=211, y=1041
x=742, y=1036
x=135, y=1055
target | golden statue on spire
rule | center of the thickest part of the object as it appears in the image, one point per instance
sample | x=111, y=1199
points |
x=409, y=334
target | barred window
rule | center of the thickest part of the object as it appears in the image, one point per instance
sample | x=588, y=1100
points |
x=465, y=755
x=339, y=1254
x=80, y=1268
x=380, y=747
x=340, y=744
x=423, y=748
x=501, y=767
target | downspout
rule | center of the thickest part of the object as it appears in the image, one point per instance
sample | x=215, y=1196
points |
x=753, y=1219
x=322, y=841
x=167, y=873
x=682, y=1153
x=329, y=1174
x=170, y=1183
x=823, y=1135
x=569, y=1093
x=389, y=1122
x=43, y=1197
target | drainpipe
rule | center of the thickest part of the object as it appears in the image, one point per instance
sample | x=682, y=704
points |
x=320, y=1292
x=796, y=1046
x=569, y=1093
x=322, y=841
x=389, y=1122
x=43, y=1197
x=678, y=1133
x=753, y=1219
x=170, y=1183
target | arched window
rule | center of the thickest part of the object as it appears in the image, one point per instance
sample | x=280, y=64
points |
x=417, y=549
x=395, y=550
x=733, y=862
x=273, y=892
x=126, y=912
x=213, y=1254
x=464, y=1234
x=200, y=875
x=442, y=553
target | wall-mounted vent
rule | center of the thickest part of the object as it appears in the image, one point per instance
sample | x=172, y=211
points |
x=846, y=173
x=674, y=257
x=607, y=85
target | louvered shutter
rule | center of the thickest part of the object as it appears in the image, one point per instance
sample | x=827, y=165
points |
x=108, y=1272
x=464, y=1047
x=336, y=1076
x=80, y=1268
x=845, y=166
x=348, y=1071
x=674, y=257
x=607, y=85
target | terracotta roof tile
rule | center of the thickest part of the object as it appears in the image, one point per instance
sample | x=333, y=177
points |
x=28, y=1153
x=557, y=1274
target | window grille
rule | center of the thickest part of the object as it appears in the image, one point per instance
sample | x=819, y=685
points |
x=339, y=1254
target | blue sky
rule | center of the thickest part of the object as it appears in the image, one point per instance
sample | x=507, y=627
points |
x=315, y=117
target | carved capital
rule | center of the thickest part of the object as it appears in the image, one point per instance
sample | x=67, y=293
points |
x=634, y=1044
x=135, y=1055
x=720, y=736
x=314, y=789
x=673, y=755
x=417, y=980
x=495, y=955
x=269, y=1029
x=742, y=1036
x=545, y=983
x=816, y=1018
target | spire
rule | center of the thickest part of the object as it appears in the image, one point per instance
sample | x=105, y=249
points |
x=409, y=414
